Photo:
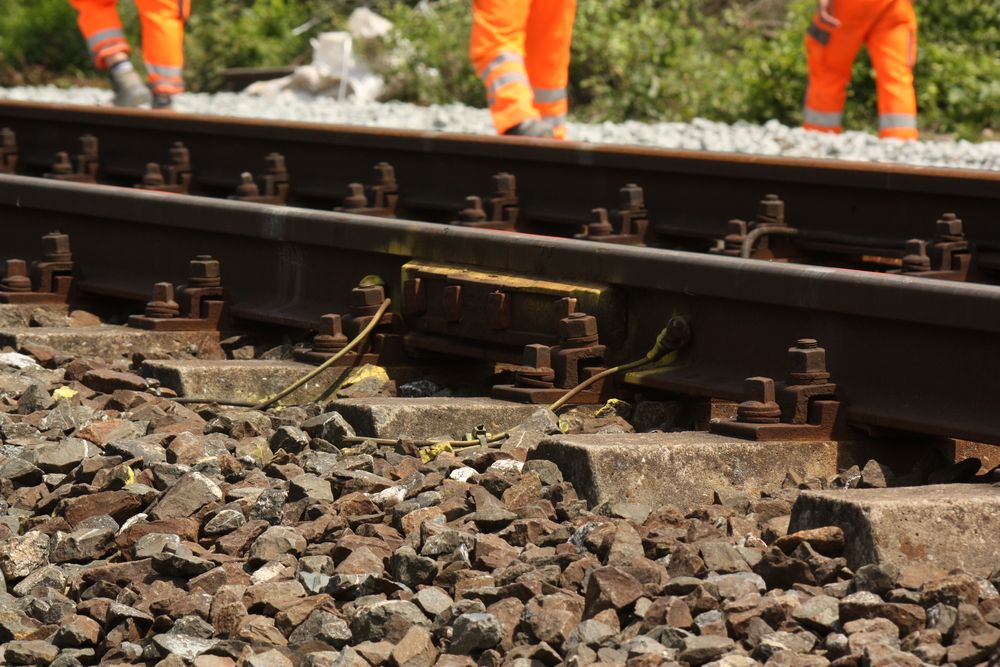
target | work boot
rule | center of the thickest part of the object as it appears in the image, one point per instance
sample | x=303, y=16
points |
x=129, y=89
x=165, y=102
x=533, y=127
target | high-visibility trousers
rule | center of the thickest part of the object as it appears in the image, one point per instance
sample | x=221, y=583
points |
x=889, y=29
x=162, y=37
x=520, y=49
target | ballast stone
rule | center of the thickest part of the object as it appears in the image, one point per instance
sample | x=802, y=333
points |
x=946, y=525
x=22, y=314
x=685, y=469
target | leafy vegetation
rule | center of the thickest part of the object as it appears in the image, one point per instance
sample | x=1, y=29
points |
x=632, y=59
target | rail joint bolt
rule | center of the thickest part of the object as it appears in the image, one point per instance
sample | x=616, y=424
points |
x=807, y=363
x=758, y=406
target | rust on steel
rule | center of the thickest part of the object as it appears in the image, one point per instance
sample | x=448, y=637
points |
x=383, y=347
x=48, y=280
x=840, y=208
x=882, y=333
x=199, y=305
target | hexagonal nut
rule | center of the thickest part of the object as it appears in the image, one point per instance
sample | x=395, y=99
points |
x=949, y=225
x=758, y=389
x=772, y=207
x=203, y=266
x=55, y=244
x=806, y=361
x=504, y=183
x=330, y=325
x=578, y=325
x=537, y=355
x=372, y=295
x=631, y=196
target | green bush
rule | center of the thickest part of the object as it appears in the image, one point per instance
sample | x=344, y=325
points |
x=631, y=59
x=224, y=33
x=39, y=37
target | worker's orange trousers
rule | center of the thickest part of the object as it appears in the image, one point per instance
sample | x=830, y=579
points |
x=520, y=49
x=889, y=29
x=162, y=37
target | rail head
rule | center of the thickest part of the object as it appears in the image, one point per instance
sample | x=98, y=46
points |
x=941, y=303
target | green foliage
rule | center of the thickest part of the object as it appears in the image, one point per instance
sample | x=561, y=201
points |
x=36, y=36
x=431, y=44
x=632, y=59
x=227, y=33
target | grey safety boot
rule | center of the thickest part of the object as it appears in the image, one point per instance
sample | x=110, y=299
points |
x=164, y=102
x=531, y=128
x=130, y=91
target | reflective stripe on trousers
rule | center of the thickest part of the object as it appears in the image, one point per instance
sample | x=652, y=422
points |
x=502, y=57
x=547, y=95
x=888, y=121
x=103, y=35
x=825, y=119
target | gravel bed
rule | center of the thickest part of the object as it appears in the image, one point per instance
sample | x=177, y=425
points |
x=772, y=138
x=135, y=531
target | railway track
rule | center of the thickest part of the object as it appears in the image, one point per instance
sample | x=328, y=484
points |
x=841, y=376
x=872, y=216
x=910, y=354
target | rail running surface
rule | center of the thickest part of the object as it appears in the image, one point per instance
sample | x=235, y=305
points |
x=843, y=214
x=910, y=354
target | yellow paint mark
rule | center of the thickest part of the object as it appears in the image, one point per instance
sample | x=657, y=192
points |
x=64, y=392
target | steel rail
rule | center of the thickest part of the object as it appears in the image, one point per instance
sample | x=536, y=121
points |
x=690, y=195
x=909, y=354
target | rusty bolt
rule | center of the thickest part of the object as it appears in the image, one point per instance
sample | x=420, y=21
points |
x=578, y=327
x=385, y=175
x=247, y=187
x=564, y=307
x=153, y=176
x=915, y=259
x=949, y=228
x=203, y=271
x=758, y=406
x=179, y=154
x=355, y=196
x=473, y=211
x=498, y=310
x=275, y=163
x=367, y=296
x=771, y=210
x=807, y=363
x=163, y=305
x=631, y=197
x=414, y=297
x=16, y=278
x=330, y=337
x=55, y=246
x=504, y=185
x=62, y=166
x=536, y=370
x=599, y=225
x=451, y=302
x=88, y=145
x=537, y=356
x=736, y=229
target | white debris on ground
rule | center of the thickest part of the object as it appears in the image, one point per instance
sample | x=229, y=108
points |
x=771, y=138
x=341, y=64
